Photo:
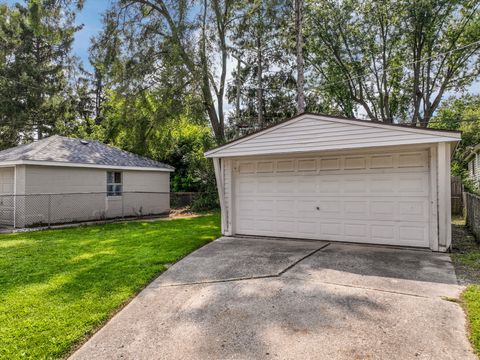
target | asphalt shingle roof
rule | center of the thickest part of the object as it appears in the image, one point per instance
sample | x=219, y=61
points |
x=63, y=149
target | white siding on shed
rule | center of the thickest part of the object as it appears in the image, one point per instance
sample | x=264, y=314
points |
x=7, y=176
x=56, y=194
x=7, y=188
x=310, y=133
x=474, y=168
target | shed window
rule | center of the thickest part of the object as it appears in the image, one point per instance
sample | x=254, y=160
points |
x=114, y=183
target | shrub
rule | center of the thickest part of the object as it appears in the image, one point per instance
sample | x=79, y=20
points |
x=205, y=201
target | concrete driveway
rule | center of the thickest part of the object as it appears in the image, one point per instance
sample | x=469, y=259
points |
x=240, y=298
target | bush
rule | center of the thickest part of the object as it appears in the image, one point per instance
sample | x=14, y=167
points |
x=205, y=202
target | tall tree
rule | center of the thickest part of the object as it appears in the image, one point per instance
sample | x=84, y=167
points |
x=191, y=35
x=264, y=84
x=35, y=94
x=393, y=60
x=299, y=54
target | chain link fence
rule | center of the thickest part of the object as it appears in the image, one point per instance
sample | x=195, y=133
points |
x=472, y=203
x=34, y=210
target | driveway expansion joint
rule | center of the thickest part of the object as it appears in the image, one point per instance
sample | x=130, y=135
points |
x=279, y=274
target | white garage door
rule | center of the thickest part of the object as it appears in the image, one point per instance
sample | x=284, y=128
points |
x=380, y=198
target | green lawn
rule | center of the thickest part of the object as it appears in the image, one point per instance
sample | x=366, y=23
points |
x=466, y=259
x=58, y=286
x=471, y=298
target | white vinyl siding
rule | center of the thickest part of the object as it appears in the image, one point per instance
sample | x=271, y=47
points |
x=316, y=133
x=7, y=180
x=7, y=188
x=474, y=168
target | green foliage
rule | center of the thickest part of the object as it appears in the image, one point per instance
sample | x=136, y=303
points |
x=462, y=114
x=35, y=63
x=59, y=286
x=394, y=60
x=154, y=124
x=205, y=201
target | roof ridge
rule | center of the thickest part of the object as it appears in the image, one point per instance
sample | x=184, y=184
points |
x=129, y=153
x=39, y=145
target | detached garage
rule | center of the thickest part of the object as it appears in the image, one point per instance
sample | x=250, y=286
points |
x=330, y=178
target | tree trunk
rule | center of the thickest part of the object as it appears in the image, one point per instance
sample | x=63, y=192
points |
x=259, y=77
x=300, y=60
x=239, y=84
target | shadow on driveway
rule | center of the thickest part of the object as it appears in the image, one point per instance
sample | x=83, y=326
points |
x=278, y=299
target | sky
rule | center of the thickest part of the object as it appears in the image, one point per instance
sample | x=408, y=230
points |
x=91, y=18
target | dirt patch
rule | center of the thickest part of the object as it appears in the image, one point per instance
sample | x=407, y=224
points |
x=464, y=252
x=181, y=212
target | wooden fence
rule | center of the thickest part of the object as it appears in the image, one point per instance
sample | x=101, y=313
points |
x=457, y=195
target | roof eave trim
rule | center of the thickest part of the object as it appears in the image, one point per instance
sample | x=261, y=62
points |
x=81, y=165
x=342, y=148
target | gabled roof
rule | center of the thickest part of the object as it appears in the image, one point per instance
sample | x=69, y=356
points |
x=63, y=151
x=309, y=132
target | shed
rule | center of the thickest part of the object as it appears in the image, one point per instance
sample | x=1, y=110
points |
x=333, y=178
x=60, y=180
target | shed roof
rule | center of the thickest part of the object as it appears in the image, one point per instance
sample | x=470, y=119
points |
x=63, y=151
x=309, y=132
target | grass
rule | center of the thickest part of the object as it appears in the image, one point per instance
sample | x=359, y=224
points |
x=59, y=286
x=471, y=298
x=466, y=259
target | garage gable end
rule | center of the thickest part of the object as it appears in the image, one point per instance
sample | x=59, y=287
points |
x=312, y=132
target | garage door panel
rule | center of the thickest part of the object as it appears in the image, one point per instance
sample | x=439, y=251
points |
x=245, y=187
x=355, y=184
x=344, y=198
x=382, y=209
x=307, y=184
x=359, y=207
x=305, y=208
x=413, y=234
x=414, y=159
x=286, y=185
x=414, y=210
x=329, y=185
x=285, y=208
x=382, y=184
x=356, y=230
x=355, y=162
x=381, y=162
x=246, y=225
x=264, y=208
x=383, y=233
x=265, y=185
x=308, y=227
x=414, y=184
x=265, y=225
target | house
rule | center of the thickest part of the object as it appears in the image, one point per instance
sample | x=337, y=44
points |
x=333, y=178
x=473, y=160
x=60, y=180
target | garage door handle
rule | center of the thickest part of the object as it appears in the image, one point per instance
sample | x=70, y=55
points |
x=318, y=208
